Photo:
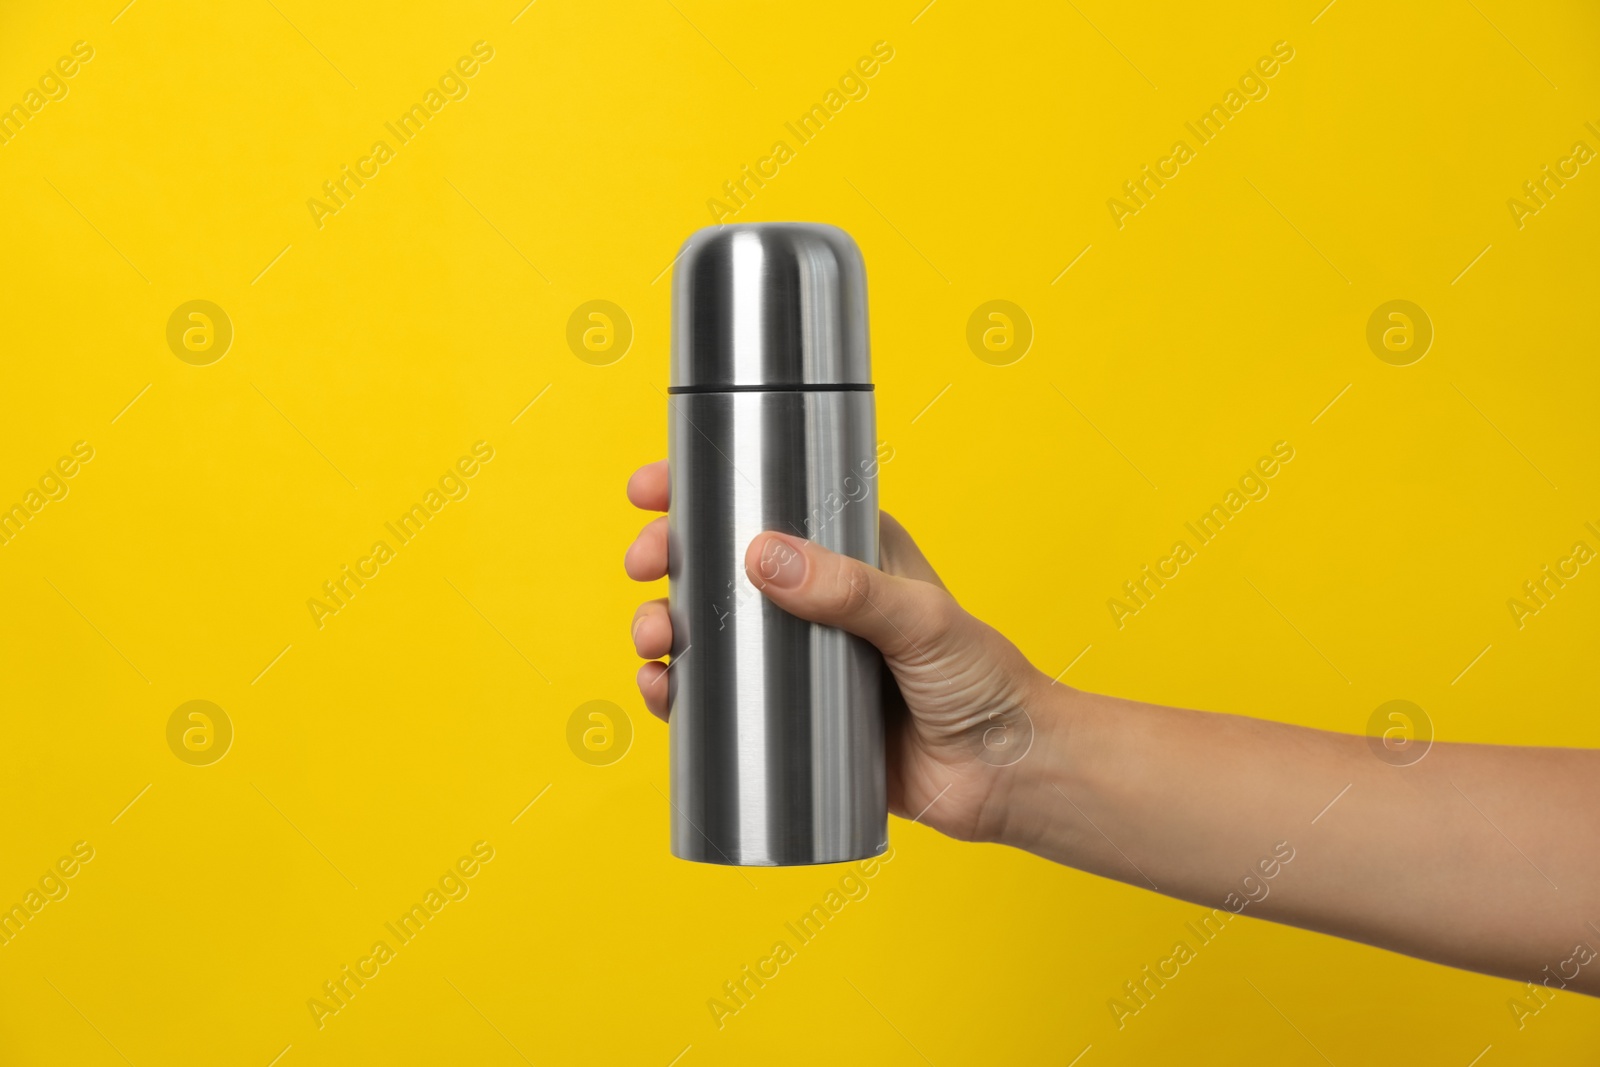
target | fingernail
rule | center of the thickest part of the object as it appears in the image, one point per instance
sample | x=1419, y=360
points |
x=782, y=563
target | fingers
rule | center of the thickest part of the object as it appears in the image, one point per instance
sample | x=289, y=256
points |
x=646, y=561
x=652, y=629
x=647, y=488
x=652, y=637
x=904, y=617
x=646, y=558
x=653, y=687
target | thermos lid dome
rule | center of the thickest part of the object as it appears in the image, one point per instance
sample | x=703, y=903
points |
x=770, y=305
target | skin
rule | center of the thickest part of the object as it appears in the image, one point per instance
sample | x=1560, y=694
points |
x=1483, y=857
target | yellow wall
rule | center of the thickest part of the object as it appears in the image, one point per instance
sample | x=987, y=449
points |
x=375, y=345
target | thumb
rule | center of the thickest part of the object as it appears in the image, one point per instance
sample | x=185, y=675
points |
x=903, y=617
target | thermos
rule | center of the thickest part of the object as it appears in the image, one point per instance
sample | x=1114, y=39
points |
x=776, y=729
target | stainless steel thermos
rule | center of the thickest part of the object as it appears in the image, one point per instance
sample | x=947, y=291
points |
x=776, y=731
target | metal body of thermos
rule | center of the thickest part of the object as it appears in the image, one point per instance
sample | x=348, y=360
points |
x=776, y=728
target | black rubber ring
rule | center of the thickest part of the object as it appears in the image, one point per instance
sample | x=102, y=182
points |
x=814, y=387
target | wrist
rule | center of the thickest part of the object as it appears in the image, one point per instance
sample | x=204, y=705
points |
x=1026, y=799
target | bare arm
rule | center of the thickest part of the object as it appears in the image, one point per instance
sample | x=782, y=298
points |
x=1485, y=857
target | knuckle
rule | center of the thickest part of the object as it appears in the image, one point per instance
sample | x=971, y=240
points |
x=850, y=595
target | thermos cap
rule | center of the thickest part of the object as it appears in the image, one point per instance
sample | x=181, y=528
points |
x=769, y=305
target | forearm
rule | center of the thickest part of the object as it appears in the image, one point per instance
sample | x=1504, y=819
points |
x=1479, y=856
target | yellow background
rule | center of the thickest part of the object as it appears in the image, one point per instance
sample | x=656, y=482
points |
x=432, y=309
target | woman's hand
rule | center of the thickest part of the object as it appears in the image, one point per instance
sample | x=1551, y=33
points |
x=969, y=707
x=1455, y=858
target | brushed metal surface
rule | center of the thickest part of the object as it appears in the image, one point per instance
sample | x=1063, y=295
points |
x=776, y=727
x=780, y=304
